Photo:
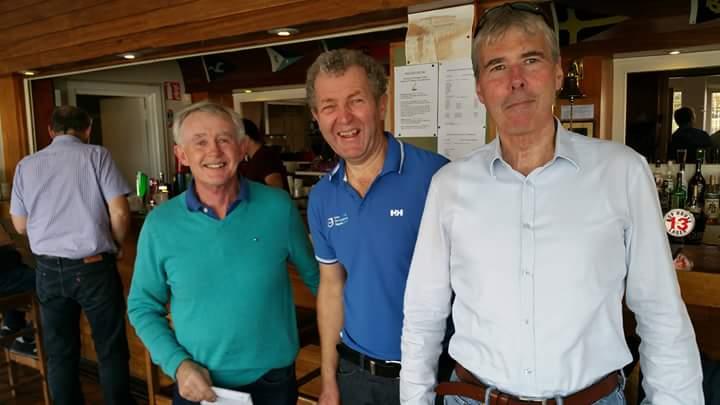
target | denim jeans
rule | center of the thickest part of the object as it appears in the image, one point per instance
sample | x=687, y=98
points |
x=276, y=387
x=64, y=288
x=358, y=387
x=616, y=397
x=15, y=281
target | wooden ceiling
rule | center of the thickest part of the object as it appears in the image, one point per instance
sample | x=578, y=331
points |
x=51, y=36
x=57, y=36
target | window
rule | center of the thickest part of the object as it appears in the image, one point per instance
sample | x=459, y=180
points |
x=714, y=111
x=677, y=103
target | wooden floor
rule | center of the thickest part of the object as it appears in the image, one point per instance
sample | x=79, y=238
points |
x=307, y=361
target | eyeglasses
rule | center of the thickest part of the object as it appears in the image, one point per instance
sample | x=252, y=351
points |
x=531, y=8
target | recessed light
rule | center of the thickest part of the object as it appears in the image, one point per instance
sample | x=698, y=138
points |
x=284, y=32
x=28, y=73
x=129, y=56
x=674, y=52
x=247, y=91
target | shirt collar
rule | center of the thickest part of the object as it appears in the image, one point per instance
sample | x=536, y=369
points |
x=194, y=204
x=65, y=138
x=394, y=159
x=564, y=148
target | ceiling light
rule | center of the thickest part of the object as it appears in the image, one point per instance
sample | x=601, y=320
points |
x=674, y=52
x=28, y=73
x=284, y=32
x=129, y=56
x=247, y=91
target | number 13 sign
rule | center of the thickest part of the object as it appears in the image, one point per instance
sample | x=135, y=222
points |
x=679, y=222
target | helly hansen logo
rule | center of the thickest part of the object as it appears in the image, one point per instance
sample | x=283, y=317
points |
x=396, y=212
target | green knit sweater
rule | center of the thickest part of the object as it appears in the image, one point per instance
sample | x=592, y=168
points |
x=227, y=284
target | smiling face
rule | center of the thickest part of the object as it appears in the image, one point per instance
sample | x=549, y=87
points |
x=517, y=81
x=209, y=146
x=348, y=115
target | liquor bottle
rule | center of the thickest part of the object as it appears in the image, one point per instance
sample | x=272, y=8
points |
x=696, y=189
x=711, y=208
x=679, y=195
x=667, y=189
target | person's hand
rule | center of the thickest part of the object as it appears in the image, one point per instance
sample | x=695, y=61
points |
x=330, y=394
x=194, y=382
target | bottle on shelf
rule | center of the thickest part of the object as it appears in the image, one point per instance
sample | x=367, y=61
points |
x=711, y=207
x=679, y=194
x=696, y=201
x=668, y=188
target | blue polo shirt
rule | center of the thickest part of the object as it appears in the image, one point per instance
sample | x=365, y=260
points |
x=194, y=204
x=373, y=238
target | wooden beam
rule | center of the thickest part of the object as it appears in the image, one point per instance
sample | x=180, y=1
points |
x=12, y=121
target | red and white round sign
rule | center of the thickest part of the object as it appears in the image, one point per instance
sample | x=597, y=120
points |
x=679, y=222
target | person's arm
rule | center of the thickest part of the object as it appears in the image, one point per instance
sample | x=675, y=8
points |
x=330, y=321
x=669, y=355
x=274, y=180
x=119, y=219
x=20, y=223
x=427, y=303
x=301, y=253
x=147, y=303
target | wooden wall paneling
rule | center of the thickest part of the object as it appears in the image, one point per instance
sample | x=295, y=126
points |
x=606, y=98
x=43, y=101
x=10, y=5
x=22, y=19
x=12, y=119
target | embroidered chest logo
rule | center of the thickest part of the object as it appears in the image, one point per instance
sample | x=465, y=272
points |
x=337, y=220
x=396, y=212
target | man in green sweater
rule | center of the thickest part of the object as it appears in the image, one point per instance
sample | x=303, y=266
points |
x=217, y=254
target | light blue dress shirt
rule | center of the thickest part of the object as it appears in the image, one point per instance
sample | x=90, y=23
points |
x=539, y=266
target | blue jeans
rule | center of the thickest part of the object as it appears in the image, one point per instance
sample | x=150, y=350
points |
x=64, y=287
x=358, y=387
x=17, y=280
x=616, y=397
x=276, y=387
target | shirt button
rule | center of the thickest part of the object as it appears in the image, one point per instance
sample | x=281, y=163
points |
x=526, y=226
x=527, y=371
x=205, y=210
x=527, y=322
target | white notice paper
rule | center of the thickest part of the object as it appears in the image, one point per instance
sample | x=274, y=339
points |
x=579, y=112
x=229, y=397
x=461, y=117
x=439, y=35
x=416, y=100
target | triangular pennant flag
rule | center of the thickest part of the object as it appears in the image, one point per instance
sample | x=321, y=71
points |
x=280, y=62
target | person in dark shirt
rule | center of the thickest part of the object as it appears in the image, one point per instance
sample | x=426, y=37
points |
x=687, y=137
x=262, y=163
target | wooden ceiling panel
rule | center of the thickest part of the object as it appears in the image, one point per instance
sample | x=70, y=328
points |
x=44, y=11
x=10, y=5
x=170, y=30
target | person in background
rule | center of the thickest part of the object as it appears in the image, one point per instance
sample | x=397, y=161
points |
x=218, y=254
x=364, y=218
x=70, y=199
x=540, y=234
x=15, y=278
x=686, y=136
x=261, y=163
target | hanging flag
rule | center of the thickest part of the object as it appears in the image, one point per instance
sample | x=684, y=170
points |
x=704, y=10
x=280, y=62
x=215, y=67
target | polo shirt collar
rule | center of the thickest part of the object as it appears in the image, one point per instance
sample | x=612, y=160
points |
x=564, y=149
x=394, y=159
x=194, y=204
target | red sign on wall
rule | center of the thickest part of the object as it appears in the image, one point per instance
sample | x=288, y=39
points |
x=172, y=90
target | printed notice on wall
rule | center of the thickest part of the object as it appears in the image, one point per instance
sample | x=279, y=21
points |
x=439, y=35
x=461, y=117
x=416, y=88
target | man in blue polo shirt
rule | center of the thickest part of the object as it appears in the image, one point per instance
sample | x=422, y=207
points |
x=364, y=219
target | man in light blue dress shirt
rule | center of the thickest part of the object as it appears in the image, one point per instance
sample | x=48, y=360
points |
x=540, y=234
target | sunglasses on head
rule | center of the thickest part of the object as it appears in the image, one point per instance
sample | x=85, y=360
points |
x=532, y=8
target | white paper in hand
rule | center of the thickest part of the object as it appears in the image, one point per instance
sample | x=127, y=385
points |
x=229, y=397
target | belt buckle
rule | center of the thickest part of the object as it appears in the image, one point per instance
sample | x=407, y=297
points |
x=543, y=401
x=371, y=364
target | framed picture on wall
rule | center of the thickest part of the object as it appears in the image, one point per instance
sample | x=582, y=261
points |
x=580, y=127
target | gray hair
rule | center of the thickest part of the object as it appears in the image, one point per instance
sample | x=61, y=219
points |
x=211, y=108
x=500, y=20
x=337, y=62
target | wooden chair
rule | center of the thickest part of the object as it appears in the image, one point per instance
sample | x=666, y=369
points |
x=25, y=301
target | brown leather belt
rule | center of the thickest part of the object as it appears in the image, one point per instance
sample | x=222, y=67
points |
x=471, y=387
